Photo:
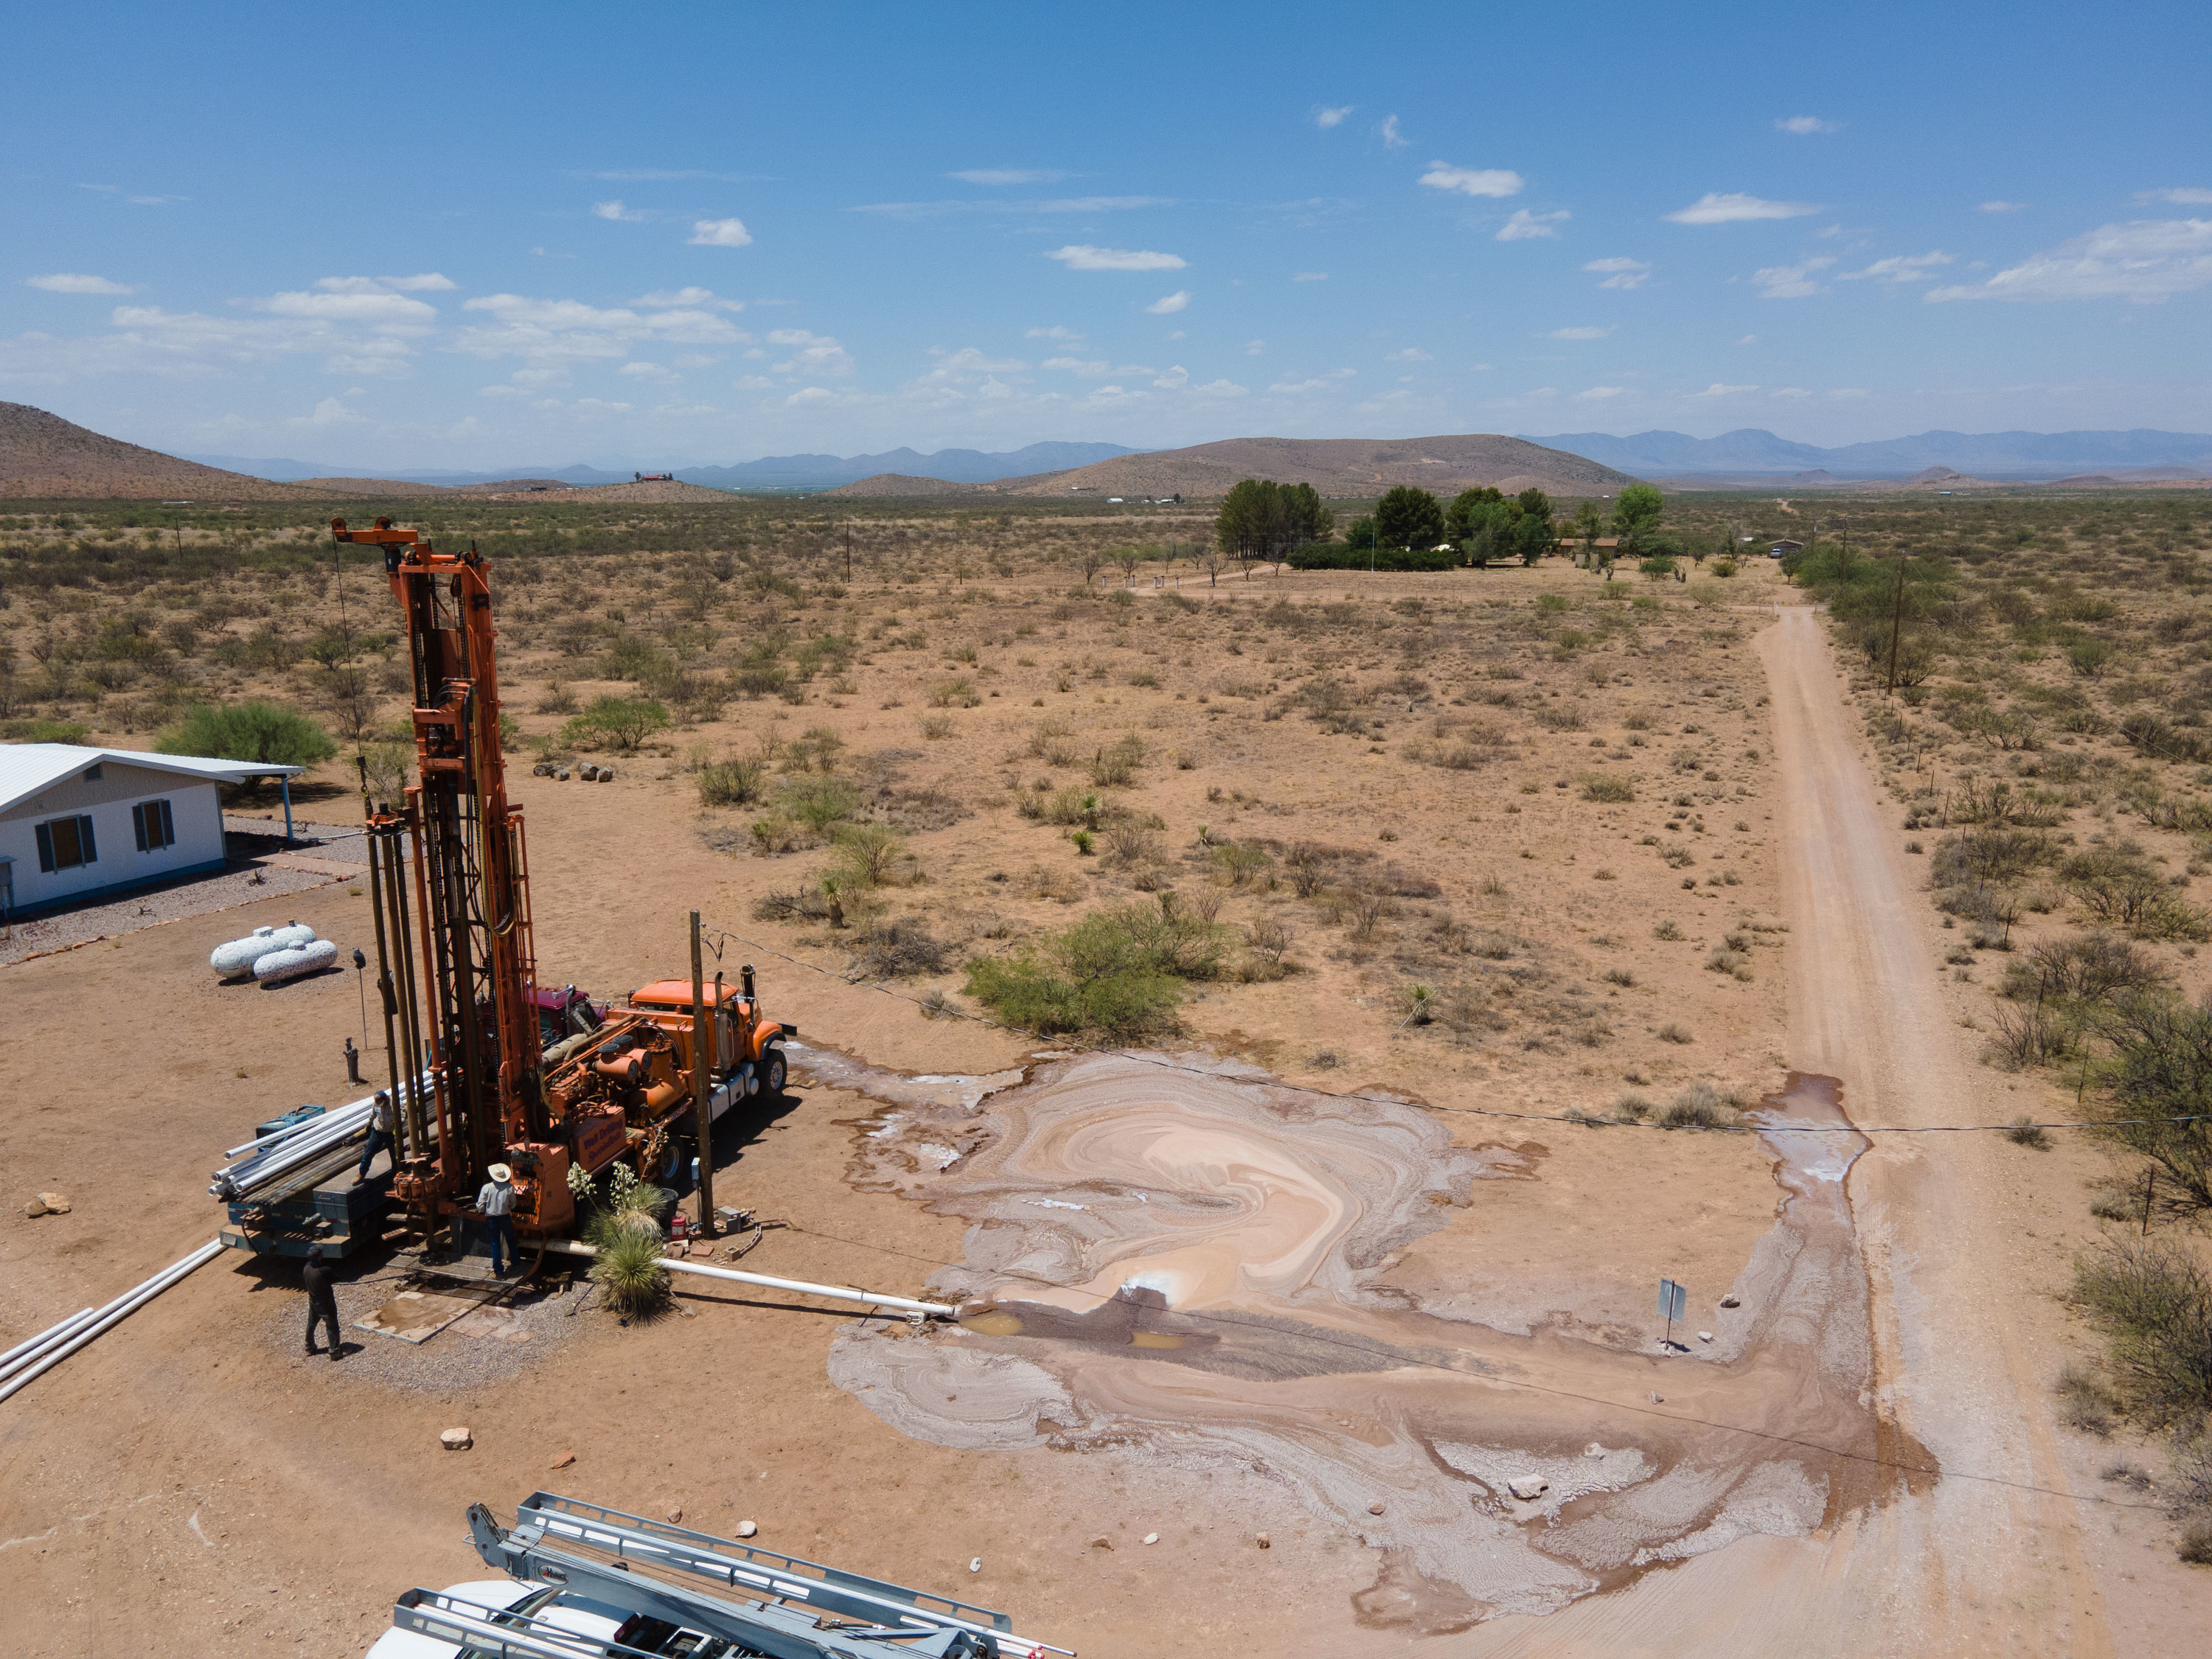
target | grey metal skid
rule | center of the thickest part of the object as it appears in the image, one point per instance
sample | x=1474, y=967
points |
x=801, y=1612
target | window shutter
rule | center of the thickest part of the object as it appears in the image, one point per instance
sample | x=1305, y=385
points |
x=46, y=850
x=168, y=824
x=138, y=824
x=84, y=839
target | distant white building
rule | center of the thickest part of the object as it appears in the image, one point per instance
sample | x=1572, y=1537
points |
x=80, y=825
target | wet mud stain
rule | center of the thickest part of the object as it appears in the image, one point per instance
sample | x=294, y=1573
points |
x=1181, y=1265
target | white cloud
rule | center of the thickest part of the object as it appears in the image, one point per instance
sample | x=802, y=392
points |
x=1081, y=257
x=1392, y=138
x=811, y=394
x=1254, y=348
x=1718, y=390
x=1589, y=332
x=1224, y=388
x=70, y=282
x=2145, y=259
x=1007, y=176
x=811, y=354
x=1410, y=354
x=520, y=326
x=1748, y=339
x=1167, y=304
x=1309, y=275
x=2002, y=207
x=1617, y=262
x=118, y=191
x=1332, y=116
x=1524, y=225
x=329, y=412
x=1473, y=181
x=2185, y=197
x=1621, y=272
x=644, y=371
x=1735, y=208
x=719, y=233
x=1057, y=331
x=753, y=383
x=1598, y=394
x=1802, y=125
x=1850, y=391
x=1791, y=391
x=429, y=281
x=395, y=312
x=1175, y=380
x=1058, y=205
x=1179, y=334
x=1328, y=382
x=666, y=299
x=614, y=210
x=1898, y=268
x=1789, y=281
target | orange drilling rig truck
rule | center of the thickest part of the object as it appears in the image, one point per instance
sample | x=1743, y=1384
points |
x=449, y=882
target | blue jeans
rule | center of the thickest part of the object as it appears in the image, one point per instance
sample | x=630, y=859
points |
x=500, y=1229
x=380, y=1141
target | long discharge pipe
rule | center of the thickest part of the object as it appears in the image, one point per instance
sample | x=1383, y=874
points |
x=122, y=1308
x=835, y=1292
x=24, y=1352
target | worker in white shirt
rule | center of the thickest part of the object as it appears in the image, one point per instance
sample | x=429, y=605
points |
x=381, y=1137
x=495, y=1204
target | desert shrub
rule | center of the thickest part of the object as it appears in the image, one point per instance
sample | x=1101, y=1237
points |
x=1270, y=937
x=819, y=802
x=1674, y=1031
x=1723, y=960
x=802, y=904
x=1053, y=743
x=621, y=722
x=2020, y=1037
x=2160, y=1069
x=1698, y=1107
x=958, y=692
x=261, y=732
x=2092, y=967
x=2084, y=1402
x=869, y=855
x=2025, y=1132
x=37, y=729
x=1131, y=843
x=2153, y=1303
x=1117, y=971
x=1668, y=929
x=1240, y=861
x=1115, y=766
x=1608, y=787
x=734, y=782
x=2121, y=887
x=899, y=948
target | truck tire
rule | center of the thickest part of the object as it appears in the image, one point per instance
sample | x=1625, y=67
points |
x=772, y=1072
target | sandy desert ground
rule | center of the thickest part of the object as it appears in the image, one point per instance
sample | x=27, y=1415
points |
x=1378, y=1310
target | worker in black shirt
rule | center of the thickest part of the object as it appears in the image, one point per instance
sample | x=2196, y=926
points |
x=316, y=1280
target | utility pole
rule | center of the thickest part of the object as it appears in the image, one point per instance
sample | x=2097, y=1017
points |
x=703, y=1051
x=1896, y=623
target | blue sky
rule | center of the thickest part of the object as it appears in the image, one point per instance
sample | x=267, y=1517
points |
x=471, y=236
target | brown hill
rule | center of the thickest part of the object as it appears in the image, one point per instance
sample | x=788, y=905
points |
x=1334, y=467
x=395, y=487
x=651, y=490
x=905, y=483
x=43, y=456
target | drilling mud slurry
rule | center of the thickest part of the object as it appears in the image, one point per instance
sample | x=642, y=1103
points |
x=1186, y=1266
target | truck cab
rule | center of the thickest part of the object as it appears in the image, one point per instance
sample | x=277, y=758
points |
x=748, y=1046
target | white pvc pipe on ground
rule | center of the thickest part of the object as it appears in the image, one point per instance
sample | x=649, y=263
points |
x=837, y=1292
x=124, y=1305
x=24, y=1351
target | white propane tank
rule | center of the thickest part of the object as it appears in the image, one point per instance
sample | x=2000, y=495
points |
x=235, y=960
x=277, y=966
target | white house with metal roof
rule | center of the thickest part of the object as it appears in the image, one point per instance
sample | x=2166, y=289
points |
x=80, y=825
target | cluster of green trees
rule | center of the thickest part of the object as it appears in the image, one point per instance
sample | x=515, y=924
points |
x=1412, y=530
x=1261, y=520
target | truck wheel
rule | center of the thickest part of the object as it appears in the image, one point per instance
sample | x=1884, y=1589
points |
x=772, y=1072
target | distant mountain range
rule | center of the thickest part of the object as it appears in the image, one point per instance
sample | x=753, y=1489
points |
x=2023, y=455
x=771, y=472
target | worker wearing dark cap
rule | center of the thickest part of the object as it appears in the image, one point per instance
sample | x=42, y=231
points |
x=316, y=1278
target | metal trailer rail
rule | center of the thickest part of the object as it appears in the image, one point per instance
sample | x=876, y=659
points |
x=804, y=1608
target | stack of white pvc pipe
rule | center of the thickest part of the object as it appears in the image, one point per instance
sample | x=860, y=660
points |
x=50, y=1346
x=271, y=1155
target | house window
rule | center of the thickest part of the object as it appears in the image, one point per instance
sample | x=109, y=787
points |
x=156, y=828
x=92, y=772
x=65, y=843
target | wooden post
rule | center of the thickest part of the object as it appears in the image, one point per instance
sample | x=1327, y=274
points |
x=703, y=1049
x=2148, y=1175
x=1896, y=625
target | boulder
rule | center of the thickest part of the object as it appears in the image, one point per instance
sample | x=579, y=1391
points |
x=747, y=1528
x=1527, y=1486
x=456, y=1440
x=54, y=1203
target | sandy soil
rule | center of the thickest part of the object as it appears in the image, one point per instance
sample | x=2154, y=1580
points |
x=190, y=1485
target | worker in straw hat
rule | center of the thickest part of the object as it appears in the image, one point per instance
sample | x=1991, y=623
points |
x=495, y=1204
